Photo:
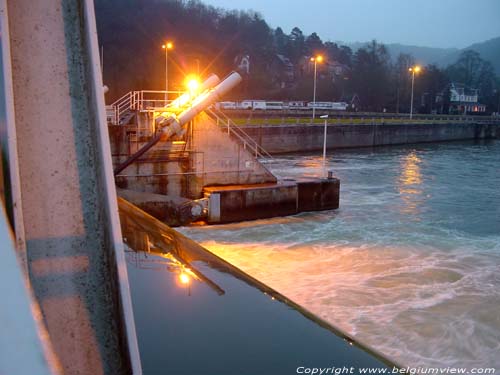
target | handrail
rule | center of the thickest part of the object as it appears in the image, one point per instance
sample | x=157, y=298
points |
x=137, y=100
x=240, y=134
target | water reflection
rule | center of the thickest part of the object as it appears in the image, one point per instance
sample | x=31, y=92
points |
x=144, y=237
x=245, y=328
x=313, y=165
x=410, y=184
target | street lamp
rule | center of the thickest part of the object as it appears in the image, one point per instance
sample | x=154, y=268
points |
x=166, y=47
x=413, y=70
x=316, y=60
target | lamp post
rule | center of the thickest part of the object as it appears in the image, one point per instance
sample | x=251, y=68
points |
x=166, y=47
x=413, y=70
x=316, y=60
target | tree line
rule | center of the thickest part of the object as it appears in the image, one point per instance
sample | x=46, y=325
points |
x=207, y=39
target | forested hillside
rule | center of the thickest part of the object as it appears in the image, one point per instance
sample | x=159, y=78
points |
x=207, y=39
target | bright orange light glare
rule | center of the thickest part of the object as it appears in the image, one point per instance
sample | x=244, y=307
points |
x=415, y=69
x=184, y=278
x=168, y=45
x=319, y=58
x=193, y=84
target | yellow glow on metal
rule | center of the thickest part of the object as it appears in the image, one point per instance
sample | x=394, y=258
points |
x=182, y=101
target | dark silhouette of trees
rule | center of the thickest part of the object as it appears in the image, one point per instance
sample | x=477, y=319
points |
x=401, y=83
x=370, y=75
x=280, y=41
x=313, y=45
x=432, y=83
x=132, y=32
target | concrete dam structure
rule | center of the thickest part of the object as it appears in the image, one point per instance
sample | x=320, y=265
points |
x=179, y=163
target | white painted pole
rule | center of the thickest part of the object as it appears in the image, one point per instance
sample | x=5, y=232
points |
x=412, y=82
x=324, y=148
x=314, y=91
x=324, y=144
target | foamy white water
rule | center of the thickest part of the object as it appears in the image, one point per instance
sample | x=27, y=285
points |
x=410, y=263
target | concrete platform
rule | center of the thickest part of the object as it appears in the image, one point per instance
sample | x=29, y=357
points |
x=288, y=197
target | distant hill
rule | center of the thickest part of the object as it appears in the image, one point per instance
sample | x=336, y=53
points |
x=489, y=50
x=425, y=55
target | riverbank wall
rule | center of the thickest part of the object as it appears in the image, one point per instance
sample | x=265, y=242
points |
x=309, y=137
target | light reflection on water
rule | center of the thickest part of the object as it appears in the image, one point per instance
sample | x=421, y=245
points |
x=410, y=263
x=410, y=183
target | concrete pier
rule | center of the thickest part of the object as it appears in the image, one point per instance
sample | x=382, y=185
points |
x=247, y=202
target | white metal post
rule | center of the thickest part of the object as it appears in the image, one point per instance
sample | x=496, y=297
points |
x=324, y=146
x=314, y=91
x=412, y=82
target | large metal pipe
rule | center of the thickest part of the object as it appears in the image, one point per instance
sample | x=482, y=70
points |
x=182, y=100
x=173, y=125
x=205, y=100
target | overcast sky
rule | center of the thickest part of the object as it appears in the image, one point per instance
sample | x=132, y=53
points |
x=432, y=23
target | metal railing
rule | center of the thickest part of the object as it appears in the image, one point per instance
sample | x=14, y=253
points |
x=143, y=100
x=232, y=129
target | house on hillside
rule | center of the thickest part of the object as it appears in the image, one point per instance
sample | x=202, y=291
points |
x=329, y=69
x=353, y=102
x=282, y=71
x=242, y=63
x=337, y=71
x=462, y=99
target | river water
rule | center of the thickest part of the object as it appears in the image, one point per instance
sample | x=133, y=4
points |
x=409, y=264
